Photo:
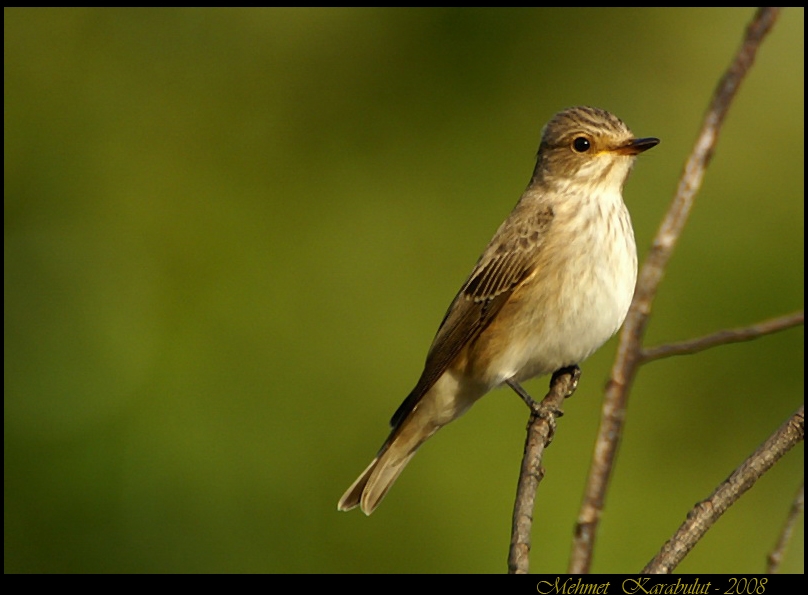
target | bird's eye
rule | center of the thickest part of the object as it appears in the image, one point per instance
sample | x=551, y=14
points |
x=581, y=144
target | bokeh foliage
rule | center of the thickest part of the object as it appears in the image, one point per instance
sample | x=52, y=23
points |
x=229, y=236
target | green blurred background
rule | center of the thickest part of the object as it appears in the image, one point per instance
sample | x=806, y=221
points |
x=230, y=235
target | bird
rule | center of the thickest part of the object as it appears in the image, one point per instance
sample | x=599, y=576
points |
x=554, y=283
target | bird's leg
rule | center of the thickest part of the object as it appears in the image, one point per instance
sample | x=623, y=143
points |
x=550, y=408
x=537, y=408
x=574, y=371
x=517, y=388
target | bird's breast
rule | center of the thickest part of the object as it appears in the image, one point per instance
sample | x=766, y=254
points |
x=574, y=302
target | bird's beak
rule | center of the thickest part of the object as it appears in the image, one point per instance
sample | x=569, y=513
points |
x=636, y=146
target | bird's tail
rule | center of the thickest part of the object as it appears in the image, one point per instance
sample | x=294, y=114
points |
x=372, y=485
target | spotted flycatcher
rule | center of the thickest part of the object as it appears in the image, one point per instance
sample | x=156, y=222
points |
x=552, y=286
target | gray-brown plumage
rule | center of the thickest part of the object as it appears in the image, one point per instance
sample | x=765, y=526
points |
x=552, y=286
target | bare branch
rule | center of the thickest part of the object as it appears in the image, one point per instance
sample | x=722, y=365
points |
x=724, y=337
x=629, y=349
x=540, y=430
x=707, y=512
x=776, y=555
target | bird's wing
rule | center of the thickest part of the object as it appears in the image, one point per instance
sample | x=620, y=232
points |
x=504, y=266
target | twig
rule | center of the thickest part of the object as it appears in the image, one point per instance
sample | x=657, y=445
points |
x=540, y=430
x=629, y=349
x=706, y=513
x=724, y=337
x=776, y=555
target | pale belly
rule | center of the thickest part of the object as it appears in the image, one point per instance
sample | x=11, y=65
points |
x=560, y=322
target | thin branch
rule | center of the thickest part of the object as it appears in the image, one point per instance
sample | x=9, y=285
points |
x=629, y=349
x=776, y=555
x=724, y=337
x=707, y=512
x=540, y=430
